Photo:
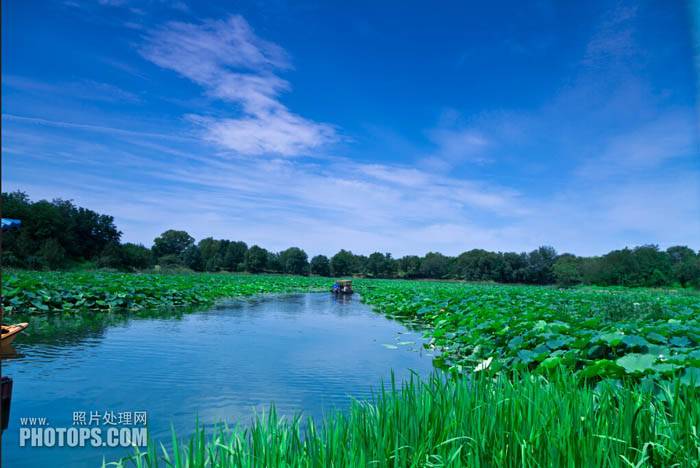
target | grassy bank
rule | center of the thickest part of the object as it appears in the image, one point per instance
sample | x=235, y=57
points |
x=526, y=421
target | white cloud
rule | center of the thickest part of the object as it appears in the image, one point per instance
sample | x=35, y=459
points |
x=646, y=147
x=84, y=89
x=233, y=64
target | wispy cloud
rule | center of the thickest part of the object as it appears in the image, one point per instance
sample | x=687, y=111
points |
x=614, y=37
x=233, y=64
x=646, y=147
x=83, y=89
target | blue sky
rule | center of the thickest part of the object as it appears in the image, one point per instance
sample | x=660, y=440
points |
x=401, y=127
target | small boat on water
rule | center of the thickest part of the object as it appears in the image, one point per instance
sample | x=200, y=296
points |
x=9, y=332
x=342, y=287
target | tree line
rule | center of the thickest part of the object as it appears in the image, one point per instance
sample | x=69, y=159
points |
x=58, y=234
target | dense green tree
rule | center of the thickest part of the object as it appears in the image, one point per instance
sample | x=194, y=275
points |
x=294, y=261
x=652, y=267
x=381, y=265
x=685, y=265
x=172, y=242
x=126, y=257
x=513, y=267
x=256, y=259
x=274, y=263
x=477, y=265
x=409, y=266
x=540, y=263
x=57, y=229
x=192, y=258
x=434, y=265
x=320, y=265
x=234, y=255
x=52, y=254
x=568, y=270
x=343, y=263
x=136, y=256
x=210, y=250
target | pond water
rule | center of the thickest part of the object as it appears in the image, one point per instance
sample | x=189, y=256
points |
x=304, y=352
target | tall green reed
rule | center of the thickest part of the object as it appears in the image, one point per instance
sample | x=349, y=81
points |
x=521, y=420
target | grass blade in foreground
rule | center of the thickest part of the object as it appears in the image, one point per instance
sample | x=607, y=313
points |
x=526, y=421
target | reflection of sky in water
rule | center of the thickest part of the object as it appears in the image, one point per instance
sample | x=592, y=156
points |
x=306, y=352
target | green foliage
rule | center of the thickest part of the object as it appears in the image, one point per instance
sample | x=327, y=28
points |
x=409, y=266
x=434, y=265
x=29, y=292
x=255, y=259
x=127, y=257
x=222, y=254
x=172, y=242
x=52, y=254
x=343, y=263
x=53, y=233
x=515, y=421
x=320, y=265
x=567, y=270
x=294, y=261
x=381, y=265
x=526, y=327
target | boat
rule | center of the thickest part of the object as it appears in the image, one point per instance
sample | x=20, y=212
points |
x=342, y=287
x=9, y=332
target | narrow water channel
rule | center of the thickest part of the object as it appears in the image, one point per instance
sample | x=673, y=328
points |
x=304, y=352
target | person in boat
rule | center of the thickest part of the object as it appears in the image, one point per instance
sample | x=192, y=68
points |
x=336, y=287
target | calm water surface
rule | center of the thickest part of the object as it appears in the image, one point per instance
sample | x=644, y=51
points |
x=304, y=352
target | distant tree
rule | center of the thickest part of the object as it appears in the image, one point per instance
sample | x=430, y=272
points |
x=111, y=257
x=391, y=266
x=375, y=264
x=513, y=268
x=685, y=265
x=540, y=263
x=294, y=261
x=567, y=270
x=409, y=266
x=211, y=254
x=274, y=263
x=434, y=265
x=125, y=257
x=360, y=263
x=172, y=242
x=381, y=265
x=256, y=259
x=234, y=255
x=80, y=233
x=616, y=268
x=477, y=265
x=170, y=261
x=343, y=263
x=192, y=258
x=136, y=256
x=52, y=254
x=653, y=267
x=320, y=265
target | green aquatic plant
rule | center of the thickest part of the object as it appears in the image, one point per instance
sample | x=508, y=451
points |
x=45, y=292
x=596, y=332
x=515, y=420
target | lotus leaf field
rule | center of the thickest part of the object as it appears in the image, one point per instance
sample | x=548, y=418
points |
x=595, y=332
